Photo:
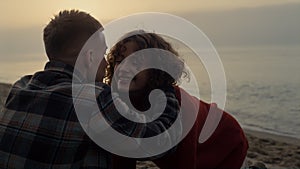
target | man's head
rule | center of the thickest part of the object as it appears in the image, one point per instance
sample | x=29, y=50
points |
x=66, y=34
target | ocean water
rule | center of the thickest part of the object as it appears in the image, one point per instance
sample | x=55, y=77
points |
x=263, y=85
x=263, y=88
x=272, y=108
x=259, y=106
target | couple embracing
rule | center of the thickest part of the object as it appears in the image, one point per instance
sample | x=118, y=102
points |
x=40, y=127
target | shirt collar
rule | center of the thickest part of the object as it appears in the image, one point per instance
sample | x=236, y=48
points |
x=64, y=68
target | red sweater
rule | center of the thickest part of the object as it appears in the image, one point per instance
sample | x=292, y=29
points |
x=226, y=147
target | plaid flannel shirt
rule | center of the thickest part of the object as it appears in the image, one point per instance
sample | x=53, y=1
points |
x=40, y=129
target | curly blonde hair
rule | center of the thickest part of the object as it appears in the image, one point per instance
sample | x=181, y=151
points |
x=145, y=40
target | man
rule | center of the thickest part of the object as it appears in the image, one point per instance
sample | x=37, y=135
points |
x=39, y=127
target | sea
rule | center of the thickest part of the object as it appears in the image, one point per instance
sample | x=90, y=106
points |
x=262, y=84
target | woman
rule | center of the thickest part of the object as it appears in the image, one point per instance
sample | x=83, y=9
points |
x=226, y=148
x=153, y=78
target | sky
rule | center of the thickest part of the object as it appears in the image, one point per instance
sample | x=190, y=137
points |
x=36, y=12
x=228, y=24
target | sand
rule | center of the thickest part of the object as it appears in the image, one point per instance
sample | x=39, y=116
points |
x=273, y=150
x=265, y=149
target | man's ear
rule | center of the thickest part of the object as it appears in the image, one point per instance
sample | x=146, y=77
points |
x=89, y=57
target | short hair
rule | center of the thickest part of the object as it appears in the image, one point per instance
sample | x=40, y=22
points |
x=145, y=40
x=67, y=32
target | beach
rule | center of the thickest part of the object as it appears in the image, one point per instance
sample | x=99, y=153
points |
x=265, y=149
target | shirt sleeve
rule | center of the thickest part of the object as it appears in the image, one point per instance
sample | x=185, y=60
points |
x=108, y=103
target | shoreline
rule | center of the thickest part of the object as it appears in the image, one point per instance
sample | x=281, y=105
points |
x=270, y=132
x=273, y=136
x=268, y=149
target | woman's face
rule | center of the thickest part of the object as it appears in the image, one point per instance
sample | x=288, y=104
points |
x=128, y=69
